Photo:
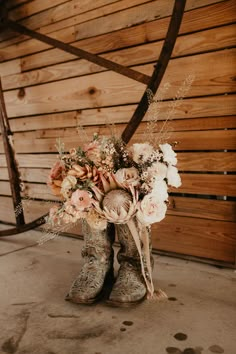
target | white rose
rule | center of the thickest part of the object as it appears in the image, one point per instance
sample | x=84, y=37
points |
x=128, y=175
x=157, y=170
x=150, y=210
x=141, y=152
x=68, y=183
x=169, y=155
x=159, y=191
x=173, y=177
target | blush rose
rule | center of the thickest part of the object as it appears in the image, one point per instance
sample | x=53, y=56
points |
x=81, y=199
x=150, y=210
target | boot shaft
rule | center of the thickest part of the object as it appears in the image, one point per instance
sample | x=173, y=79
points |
x=98, y=243
x=96, y=275
x=128, y=250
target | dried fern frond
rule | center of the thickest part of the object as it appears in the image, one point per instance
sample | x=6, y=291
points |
x=154, y=112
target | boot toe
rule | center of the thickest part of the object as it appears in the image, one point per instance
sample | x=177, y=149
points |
x=128, y=297
x=129, y=287
x=89, y=285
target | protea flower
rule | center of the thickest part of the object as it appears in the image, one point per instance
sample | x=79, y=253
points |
x=116, y=203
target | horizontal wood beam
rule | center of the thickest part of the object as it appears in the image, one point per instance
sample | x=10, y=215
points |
x=108, y=64
x=191, y=161
x=197, y=237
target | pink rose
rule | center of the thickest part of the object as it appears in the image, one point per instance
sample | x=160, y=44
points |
x=57, y=171
x=55, y=177
x=150, y=210
x=81, y=199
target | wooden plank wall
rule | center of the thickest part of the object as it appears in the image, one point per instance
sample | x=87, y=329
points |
x=50, y=94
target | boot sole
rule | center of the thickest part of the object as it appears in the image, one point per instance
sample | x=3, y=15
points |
x=114, y=303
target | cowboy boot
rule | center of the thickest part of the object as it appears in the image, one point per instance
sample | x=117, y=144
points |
x=96, y=276
x=130, y=287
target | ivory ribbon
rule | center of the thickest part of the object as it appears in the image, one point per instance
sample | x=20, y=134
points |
x=141, y=239
x=139, y=236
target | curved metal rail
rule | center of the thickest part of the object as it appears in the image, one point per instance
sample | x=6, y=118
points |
x=159, y=70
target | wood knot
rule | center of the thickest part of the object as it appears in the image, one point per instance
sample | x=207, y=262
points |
x=92, y=90
x=21, y=93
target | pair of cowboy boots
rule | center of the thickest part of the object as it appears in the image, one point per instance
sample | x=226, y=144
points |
x=96, y=278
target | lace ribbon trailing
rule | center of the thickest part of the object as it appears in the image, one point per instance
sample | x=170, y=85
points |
x=141, y=239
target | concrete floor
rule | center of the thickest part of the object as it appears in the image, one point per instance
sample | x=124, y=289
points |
x=198, y=318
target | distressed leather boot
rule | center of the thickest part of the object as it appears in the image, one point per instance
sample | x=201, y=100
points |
x=130, y=287
x=96, y=277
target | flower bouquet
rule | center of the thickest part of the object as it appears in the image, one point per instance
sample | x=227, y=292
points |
x=107, y=182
